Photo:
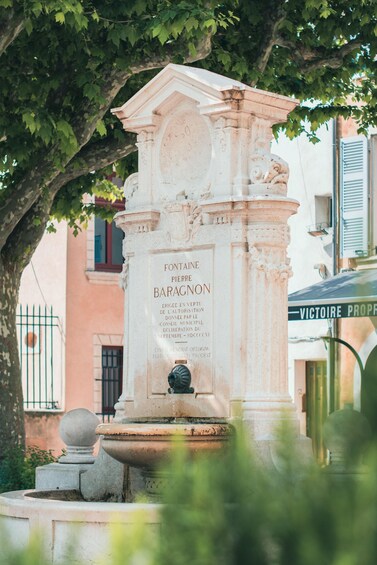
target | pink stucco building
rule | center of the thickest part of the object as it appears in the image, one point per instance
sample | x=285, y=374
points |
x=70, y=325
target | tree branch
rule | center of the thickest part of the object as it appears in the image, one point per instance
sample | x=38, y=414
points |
x=30, y=188
x=25, y=238
x=310, y=59
x=11, y=26
x=116, y=80
x=276, y=15
x=95, y=157
x=20, y=246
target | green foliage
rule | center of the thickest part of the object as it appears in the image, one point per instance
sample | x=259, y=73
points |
x=308, y=59
x=17, y=467
x=55, y=71
x=233, y=510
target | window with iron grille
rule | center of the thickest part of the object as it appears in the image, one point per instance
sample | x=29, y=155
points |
x=112, y=369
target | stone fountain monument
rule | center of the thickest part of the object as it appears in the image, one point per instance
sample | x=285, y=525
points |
x=205, y=277
x=205, y=267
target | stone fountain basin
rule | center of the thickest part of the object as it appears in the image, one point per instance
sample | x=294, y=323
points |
x=25, y=513
x=145, y=445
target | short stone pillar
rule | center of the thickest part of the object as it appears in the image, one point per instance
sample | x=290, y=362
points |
x=77, y=430
x=206, y=270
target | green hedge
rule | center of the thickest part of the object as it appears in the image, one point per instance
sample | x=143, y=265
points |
x=17, y=467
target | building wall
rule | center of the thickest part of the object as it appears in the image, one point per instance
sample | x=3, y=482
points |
x=43, y=284
x=94, y=317
x=355, y=331
x=90, y=310
x=311, y=175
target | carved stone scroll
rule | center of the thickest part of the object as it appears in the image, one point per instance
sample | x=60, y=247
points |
x=268, y=174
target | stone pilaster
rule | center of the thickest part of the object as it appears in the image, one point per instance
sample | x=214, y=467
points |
x=224, y=139
x=241, y=180
x=266, y=399
x=145, y=143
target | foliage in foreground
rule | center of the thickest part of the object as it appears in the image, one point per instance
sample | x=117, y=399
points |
x=17, y=467
x=238, y=511
x=235, y=511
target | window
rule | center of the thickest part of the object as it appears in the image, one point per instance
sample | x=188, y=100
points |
x=354, y=228
x=323, y=216
x=111, y=380
x=323, y=210
x=108, y=242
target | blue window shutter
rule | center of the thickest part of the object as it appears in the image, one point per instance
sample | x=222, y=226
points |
x=354, y=197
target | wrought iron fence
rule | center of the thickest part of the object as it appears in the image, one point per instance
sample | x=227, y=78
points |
x=39, y=338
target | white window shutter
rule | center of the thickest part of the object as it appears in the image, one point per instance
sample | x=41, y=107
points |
x=354, y=197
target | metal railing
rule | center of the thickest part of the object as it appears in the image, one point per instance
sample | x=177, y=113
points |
x=38, y=337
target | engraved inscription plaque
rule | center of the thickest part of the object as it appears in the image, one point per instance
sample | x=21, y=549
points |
x=181, y=314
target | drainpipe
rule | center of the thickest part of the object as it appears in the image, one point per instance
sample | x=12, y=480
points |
x=333, y=380
x=335, y=197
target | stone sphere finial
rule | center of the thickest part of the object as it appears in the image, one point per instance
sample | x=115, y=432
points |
x=78, y=431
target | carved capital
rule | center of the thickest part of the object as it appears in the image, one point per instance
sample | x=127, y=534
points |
x=272, y=235
x=138, y=221
x=268, y=263
x=144, y=136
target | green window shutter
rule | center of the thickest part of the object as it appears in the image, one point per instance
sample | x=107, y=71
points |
x=354, y=197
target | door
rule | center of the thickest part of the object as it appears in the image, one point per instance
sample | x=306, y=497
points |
x=316, y=405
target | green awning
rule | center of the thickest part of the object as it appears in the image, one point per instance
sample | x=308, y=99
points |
x=351, y=294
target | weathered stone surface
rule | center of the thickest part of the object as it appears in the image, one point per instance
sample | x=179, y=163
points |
x=59, y=477
x=105, y=480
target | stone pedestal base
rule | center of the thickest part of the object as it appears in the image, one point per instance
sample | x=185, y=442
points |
x=56, y=476
x=266, y=419
x=106, y=480
x=266, y=423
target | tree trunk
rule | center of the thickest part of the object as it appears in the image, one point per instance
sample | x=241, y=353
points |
x=12, y=428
